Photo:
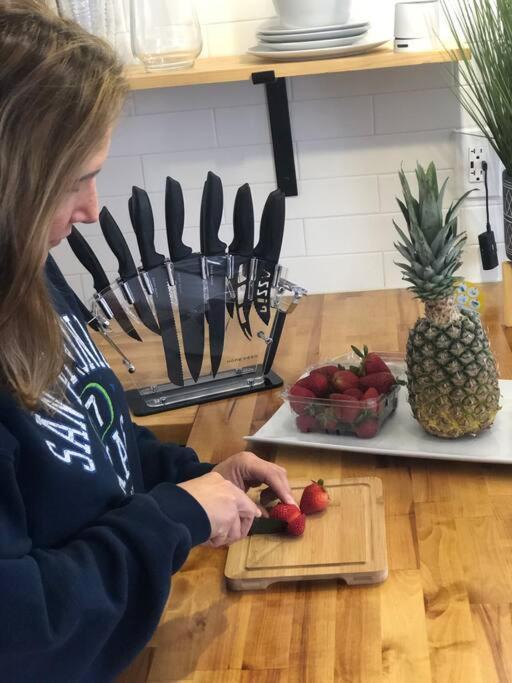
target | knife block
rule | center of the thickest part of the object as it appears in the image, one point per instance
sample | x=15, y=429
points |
x=142, y=364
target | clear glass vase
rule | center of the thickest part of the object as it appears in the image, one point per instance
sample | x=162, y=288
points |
x=165, y=34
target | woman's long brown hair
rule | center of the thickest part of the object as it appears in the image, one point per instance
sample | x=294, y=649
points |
x=61, y=90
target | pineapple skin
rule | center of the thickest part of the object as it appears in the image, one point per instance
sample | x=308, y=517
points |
x=452, y=375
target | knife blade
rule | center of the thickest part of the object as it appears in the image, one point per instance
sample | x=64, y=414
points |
x=267, y=252
x=113, y=308
x=266, y=525
x=188, y=275
x=214, y=252
x=240, y=253
x=157, y=270
x=128, y=274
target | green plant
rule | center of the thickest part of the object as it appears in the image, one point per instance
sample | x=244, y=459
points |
x=485, y=92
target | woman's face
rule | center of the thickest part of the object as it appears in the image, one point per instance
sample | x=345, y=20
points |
x=80, y=204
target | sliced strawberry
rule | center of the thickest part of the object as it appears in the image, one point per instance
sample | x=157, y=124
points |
x=297, y=525
x=314, y=498
x=302, y=394
x=284, y=512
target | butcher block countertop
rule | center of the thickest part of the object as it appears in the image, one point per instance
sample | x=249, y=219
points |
x=445, y=611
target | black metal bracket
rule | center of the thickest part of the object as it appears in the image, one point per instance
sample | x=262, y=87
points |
x=281, y=130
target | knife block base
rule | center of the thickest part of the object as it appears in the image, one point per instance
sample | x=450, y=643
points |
x=210, y=391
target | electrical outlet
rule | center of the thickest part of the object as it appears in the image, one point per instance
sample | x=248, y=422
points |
x=471, y=149
x=476, y=156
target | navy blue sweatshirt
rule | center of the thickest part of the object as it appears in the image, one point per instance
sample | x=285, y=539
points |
x=92, y=524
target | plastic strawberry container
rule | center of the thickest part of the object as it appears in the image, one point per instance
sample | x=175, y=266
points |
x=347, y=416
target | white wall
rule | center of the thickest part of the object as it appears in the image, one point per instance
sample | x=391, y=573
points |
x=351, y=134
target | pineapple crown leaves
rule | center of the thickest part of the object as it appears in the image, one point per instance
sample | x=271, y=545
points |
x=433, y=247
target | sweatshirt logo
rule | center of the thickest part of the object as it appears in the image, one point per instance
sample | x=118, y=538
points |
x=67, y=429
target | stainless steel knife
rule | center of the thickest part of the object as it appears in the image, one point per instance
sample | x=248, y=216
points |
x=157, y=270
x=128, y=274
x=239, y=259
x=107, y=299
x=266, y=253
x=214, y=252
x=189, y=279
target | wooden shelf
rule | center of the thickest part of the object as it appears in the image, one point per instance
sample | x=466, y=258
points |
x=242, y=67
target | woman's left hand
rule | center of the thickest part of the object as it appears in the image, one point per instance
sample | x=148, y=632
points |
x=246, y=470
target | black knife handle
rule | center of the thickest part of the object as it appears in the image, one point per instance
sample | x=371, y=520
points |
x=175, y=220
x=117, y=243
x=271, y=228
x=87, y=258
x=243, y=223
x=212, y=204
x=141, y=215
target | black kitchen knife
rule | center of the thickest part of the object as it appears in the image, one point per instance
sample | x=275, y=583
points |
x=109, y=302
x=188, y=276
x=128, y=274
x=267, y=252
x=240, y=254
x=214, y=252
x=157, y=270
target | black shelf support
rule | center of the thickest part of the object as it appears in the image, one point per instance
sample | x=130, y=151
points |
x=281, y=130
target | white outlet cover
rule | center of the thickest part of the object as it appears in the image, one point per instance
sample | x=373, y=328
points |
x=465, y=140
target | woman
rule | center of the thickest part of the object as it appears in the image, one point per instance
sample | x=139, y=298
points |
x=95, y=513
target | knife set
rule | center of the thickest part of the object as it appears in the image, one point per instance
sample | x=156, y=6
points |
x=205, y=325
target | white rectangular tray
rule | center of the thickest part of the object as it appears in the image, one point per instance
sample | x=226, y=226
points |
x=402, y=435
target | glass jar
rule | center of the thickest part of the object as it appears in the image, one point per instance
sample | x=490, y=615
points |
x=165, y=34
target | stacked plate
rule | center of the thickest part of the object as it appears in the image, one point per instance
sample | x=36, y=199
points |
x=278, y=42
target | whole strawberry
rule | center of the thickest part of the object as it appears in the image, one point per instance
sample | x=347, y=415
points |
x=315, y=382
x=374, y=363
x=345, y=379
x=314, y=498
x=327, y=370
x=372, y=401
x=347, y=409
x=354, y=393
x=307, y=423
x=302, y=395
x=368, y=428
x=382, y=381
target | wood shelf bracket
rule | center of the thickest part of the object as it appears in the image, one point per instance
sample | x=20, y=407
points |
x=280, y=129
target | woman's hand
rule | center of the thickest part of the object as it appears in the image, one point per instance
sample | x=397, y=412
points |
x=246, y=469
x=230, y=511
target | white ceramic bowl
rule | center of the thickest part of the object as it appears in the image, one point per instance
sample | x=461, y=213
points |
x=312, y=13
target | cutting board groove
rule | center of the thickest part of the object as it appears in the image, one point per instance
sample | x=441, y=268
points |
x=346, y=541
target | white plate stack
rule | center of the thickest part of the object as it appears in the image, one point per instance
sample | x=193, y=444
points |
x=278, y=42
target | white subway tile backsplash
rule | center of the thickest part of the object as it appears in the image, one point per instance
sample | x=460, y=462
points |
x=223, y=11
x=235, y=166
x=334, y=197
x=164, y=100
x=390, y=188
x=374, y=154
x=344, y=117
x=473, y=220
x=349, y=234
x=231, y=39
x=119, y=174
x=371, y=82
x=416, y=111
x=163, y=133
x=341, y=273
x=242, y=125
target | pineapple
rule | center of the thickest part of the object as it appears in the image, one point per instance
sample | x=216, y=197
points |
x=451, y=373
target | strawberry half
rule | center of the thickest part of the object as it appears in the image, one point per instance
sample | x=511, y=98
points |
x=297, y=525
x=314, y=498
x=284, y=512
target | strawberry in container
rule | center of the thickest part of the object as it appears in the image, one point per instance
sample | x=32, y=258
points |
x=351, y=395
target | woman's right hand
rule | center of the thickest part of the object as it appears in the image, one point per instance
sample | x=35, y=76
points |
x=230, y=511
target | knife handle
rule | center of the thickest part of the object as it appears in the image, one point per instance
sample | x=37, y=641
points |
x=212, y=205
x=87, y=258
x=243, y=223
x=117, y=243
x=271, y=228
x=141, y=215
x=175, y=220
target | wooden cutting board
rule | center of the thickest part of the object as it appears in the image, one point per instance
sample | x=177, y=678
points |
x=347, y=541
